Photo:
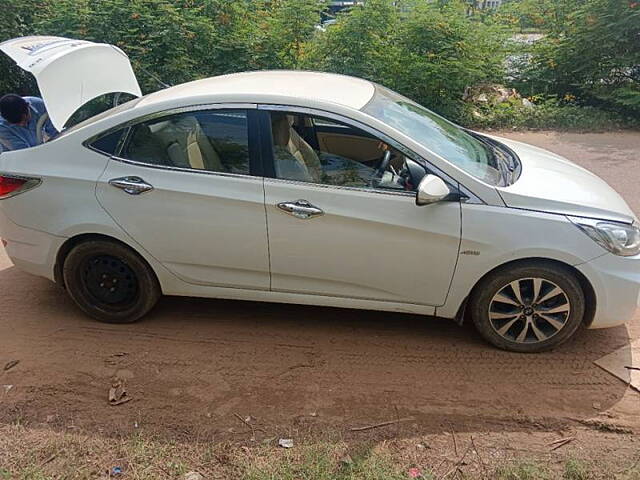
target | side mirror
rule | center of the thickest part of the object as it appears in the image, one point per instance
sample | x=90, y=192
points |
x=432, y=189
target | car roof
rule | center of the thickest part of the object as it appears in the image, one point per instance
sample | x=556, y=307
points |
x=297, y=85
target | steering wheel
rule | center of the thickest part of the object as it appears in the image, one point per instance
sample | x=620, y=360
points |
x=384, y=164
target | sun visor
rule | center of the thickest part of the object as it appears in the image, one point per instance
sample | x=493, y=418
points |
x=70, y=72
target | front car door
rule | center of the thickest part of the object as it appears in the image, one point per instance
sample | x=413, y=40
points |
x=182, y=185
x=336, y=231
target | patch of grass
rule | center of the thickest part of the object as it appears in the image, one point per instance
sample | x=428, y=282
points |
x=325, y=462
x=576, y=470
x=32, y=454
x=632, y=473
x=522, y=470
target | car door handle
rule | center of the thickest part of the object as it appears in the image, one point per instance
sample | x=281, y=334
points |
x=300, y=209
x=131, y=185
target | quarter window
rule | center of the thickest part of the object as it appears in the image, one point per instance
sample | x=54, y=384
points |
x=212, y=140
x=109, y=143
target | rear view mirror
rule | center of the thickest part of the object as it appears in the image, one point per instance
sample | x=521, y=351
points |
x=432, y=189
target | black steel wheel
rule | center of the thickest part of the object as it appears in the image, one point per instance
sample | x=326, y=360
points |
x=110, y=282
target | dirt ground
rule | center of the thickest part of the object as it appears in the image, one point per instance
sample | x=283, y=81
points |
x=296, y=370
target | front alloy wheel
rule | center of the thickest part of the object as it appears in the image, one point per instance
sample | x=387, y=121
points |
x=528, y=307
x=529, y=310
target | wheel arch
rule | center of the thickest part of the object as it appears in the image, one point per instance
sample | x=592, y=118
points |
x=72, y=242
x=585, y=284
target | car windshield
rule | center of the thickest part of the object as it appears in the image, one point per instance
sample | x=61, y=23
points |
x=437, y=134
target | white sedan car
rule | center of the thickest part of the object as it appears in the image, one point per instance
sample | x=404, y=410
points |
x=310, y=188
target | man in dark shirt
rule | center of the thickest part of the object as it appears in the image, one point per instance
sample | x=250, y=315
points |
x=18, y=122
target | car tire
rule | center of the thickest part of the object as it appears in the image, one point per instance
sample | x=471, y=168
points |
x=110, y=282
x=501, y=314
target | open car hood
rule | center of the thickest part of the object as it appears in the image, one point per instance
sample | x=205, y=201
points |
x=70, y=72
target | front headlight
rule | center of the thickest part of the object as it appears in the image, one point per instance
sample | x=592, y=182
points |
x=618, y=238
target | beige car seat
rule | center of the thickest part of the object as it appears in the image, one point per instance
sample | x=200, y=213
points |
x=186, y=144
x=285, y=137
x=146, y=147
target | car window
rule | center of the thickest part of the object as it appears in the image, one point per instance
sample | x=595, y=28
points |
x=212, y=140
x=334, y=153
x=108, y=143
x=97, y=106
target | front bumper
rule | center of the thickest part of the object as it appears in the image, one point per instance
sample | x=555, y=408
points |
x=30, y=250
x=616, y=282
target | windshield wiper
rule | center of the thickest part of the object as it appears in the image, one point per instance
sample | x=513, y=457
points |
x=504, y=157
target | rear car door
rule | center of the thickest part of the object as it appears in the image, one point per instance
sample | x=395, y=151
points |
x=333, y=234
x=186, y=187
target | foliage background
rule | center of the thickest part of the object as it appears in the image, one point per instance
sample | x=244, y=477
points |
x=587, y=65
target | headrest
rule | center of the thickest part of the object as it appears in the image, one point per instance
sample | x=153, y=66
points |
x=159, y=126
x=281, y=125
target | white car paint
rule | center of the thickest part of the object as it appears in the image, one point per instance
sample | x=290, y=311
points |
x=350, y=92
x=370, y=250
x=367, y=245
x=72, y=72
x=554, y=184
x=180, y=224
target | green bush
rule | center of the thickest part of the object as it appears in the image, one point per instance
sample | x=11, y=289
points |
x=546, y=114
x=429, y=51
x=595, y=57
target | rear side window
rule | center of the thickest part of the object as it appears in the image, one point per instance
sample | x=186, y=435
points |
x=210, y=140
x=109, y=143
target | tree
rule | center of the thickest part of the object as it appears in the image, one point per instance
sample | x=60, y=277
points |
x=169, y=41
x=16, y=22
x=292, y=24
x=362, y=43
x=596, y=57
x=443, y=50
x=539, y=15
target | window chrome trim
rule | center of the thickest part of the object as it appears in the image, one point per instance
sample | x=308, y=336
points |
x=472, y=198
x=341, y=187
x=180, y=169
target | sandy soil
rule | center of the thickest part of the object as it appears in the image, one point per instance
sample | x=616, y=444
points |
x=193, y=363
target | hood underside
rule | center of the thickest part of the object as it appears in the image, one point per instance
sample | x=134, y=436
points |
x=71, y=73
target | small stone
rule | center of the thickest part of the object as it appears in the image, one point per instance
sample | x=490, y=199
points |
x=597, y=405
x=193, y=476
x=526, y=103
x=285, y=443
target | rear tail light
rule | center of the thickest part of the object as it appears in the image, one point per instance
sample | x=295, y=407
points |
x=11, y=185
